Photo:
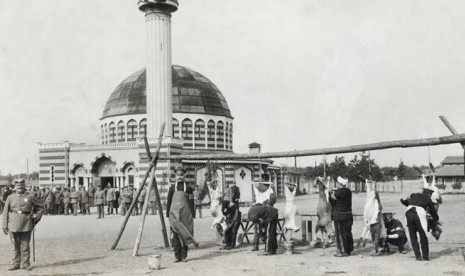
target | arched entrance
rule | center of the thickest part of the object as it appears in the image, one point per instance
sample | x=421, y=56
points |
x=243, y=178
x=79, y=176
x=103, y=171
x=129, y=172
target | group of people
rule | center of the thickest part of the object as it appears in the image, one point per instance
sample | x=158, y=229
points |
x=421, y=216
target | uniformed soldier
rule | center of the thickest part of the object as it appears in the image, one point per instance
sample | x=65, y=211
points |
x=141, y=199
x=66, y=200
x=49, y=202
x=22, y=212
x=136, y=205
x=99, y=197
x=91, y=193
x=84, y=199
x=127, y=199
x=74, y=199
x=152, y=199
x=110, y=197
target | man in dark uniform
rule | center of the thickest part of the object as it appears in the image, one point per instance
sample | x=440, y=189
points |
x=74, y=200
x=22, y=212
x=99, y=197
x=233, y=219
x=180, y=210
x=417, y=206
x=395, y=233
x=341, y=200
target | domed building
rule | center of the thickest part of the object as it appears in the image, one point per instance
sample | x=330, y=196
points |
x=202, y=123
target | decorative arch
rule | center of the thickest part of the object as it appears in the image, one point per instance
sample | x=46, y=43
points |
x=142, y=128
x=220, y=135
x=211, y=134
x=112, y=134
x=175, y=128
x=243, y=176
x=199, y=133
x=226, y=136
x=186, y=132
x=132, y=130
x=231, y=136
x=121, y=132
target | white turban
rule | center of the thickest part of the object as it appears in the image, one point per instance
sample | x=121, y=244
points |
x=342, y=180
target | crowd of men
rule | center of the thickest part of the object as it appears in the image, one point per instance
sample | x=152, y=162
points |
x=60, y=200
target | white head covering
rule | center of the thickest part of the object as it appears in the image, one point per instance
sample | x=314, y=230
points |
x=342, y=180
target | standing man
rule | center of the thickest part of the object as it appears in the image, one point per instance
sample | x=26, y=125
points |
x=91, y=194
x=141, y=199
x=136, y=205
x=197, y=200
x=127, y=199
x=110, y=197
x=180, y=211
x=66, y=200
x=100, y=201
x=74, y=200
x=341, y=200
x=152, y=199
x=22, y=212
x=417, y=206
x=49, y=200
x=84, y=199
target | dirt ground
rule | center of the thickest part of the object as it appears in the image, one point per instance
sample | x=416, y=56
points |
x=80, y=245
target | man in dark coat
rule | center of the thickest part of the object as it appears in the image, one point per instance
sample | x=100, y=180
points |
x=341, y=200
x=233, y=219
x=418, y=204
x=21, y=213
x=180, y=210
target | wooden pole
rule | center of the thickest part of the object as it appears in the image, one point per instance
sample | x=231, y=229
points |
x=453, y=131
x=153, y=164
x=144, y=214
x=158, y=200
x=459, y=138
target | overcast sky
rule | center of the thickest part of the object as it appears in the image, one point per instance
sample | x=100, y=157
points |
x=300, y=74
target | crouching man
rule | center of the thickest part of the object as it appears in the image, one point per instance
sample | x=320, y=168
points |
x=395, y=233
x=21, y=213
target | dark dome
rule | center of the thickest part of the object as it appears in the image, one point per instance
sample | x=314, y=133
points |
x=192, y=93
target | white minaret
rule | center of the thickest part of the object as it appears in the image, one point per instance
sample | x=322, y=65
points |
x=158, y=55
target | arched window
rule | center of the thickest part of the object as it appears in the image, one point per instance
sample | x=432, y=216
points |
x=226, y=136
x=143, y=128
x=112, y=132
x=231, y=136
x=102, y=127
x=175, y=128
x=199, y=134
x=211, y=134
x=105, y=134
x=220, y=135
x=52, y=174
x=121, y=132
x=132, y=130
x=186, y=132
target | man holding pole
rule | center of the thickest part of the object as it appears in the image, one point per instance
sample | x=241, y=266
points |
x=181, y=211
x=21, y=213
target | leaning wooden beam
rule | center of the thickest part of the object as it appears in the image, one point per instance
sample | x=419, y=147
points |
x=459, y=138
x=153, y=163
x=453, y=131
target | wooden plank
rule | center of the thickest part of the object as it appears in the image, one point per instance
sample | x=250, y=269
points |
x=444, y=140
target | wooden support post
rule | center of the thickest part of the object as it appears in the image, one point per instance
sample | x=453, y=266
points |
x=158, y=201
x=453, y=131
x=153, y=164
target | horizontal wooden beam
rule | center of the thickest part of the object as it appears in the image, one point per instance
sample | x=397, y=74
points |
x=459, y=138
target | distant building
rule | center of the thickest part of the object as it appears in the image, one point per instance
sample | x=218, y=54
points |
x=451, y=171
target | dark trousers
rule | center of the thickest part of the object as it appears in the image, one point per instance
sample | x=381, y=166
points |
x=344, y=238
x=153, y=207
x=22, y=253
x=110, y=205
x=101, y=210
x=230, y=234
x=414, y=227
x=399, y=242
x=180, y=249
x=272, y=242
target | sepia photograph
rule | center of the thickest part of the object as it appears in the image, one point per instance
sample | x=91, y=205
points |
x=207, y=137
